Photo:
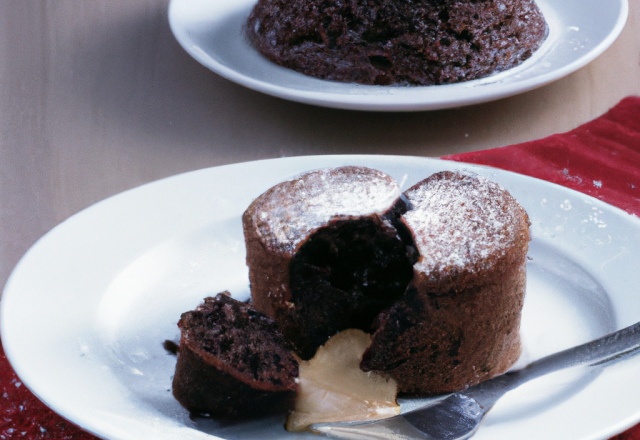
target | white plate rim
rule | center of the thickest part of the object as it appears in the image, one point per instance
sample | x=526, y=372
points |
x=11, y=341
x=382, y=98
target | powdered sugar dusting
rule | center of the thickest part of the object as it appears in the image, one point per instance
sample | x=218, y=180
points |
x=291, y=211
x=459, y=221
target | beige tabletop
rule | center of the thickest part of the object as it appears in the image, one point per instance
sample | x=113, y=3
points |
x=97, y=97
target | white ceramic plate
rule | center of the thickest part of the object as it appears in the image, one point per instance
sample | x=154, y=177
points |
x=212, y=32
x=86, y=311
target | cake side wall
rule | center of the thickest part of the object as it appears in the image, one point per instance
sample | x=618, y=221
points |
x=458, y=338
x=269, y=277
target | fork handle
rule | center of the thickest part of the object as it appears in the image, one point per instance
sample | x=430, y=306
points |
x=599, y=351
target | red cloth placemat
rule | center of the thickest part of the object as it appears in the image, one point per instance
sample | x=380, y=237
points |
x=23, y=416
x=600, y=158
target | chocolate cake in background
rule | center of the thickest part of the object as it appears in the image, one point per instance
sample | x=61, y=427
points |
x=381, y=42
x=233, y=361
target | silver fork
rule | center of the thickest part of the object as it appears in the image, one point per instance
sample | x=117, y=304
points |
x=457, y=416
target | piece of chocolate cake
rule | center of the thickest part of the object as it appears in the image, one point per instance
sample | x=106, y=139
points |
x=459, y=321
x=324, y=254
x=381, y=42
x=232, y=361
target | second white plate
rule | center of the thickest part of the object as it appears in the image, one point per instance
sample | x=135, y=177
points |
x=86, y=311
x=212, y=31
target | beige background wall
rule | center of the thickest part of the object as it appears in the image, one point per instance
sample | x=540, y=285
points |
x=97, y=97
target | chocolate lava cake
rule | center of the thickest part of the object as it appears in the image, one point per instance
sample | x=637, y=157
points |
x=232, y=361
x=437, y=275
x=381, y=42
